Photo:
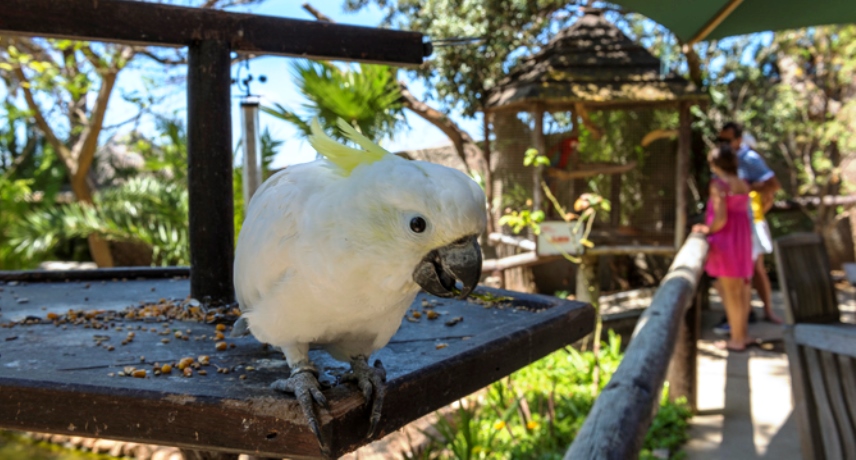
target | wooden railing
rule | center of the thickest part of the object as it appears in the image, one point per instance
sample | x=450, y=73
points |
x=663, y=343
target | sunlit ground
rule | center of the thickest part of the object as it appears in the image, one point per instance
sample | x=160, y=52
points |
x=745, y=405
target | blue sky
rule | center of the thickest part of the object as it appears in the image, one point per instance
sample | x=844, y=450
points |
x=279, y=88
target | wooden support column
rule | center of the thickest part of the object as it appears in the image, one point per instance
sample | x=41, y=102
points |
x=683, y=368
x=683, y=171
x=588, y=287
x=209, y=178
x=540, y=144
x=615, y=200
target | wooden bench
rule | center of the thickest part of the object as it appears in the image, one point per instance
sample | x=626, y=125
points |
x=59, y=375
x=821, y=350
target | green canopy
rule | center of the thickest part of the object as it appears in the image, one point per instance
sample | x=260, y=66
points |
x=696, y=20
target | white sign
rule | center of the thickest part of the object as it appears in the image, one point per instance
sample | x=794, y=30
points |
x=558, y=237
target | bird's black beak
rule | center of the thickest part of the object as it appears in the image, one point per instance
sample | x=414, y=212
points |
x=440, y=268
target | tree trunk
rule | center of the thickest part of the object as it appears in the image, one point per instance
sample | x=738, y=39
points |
x=99, y=248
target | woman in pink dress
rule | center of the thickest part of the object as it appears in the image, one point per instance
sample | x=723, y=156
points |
x=729, y=233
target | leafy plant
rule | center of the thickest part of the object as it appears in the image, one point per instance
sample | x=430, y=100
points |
x=366, y=95
x=536, y=412
x=143, y=210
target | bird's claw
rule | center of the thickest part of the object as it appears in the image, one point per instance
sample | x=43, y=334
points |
x=370, y=380
x=305, y=387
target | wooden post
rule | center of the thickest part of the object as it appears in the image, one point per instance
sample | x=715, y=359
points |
x=615, y=200
x=209, y=177
x=683, y=368
x=588, y=288
x=683, y=172
x=488, y=172
x=539, y=143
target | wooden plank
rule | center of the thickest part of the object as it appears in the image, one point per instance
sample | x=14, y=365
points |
x=142, y=23
x=526, y=259
x=56, y=380
x=809, y=294
x=843, y=425
x=117, y=273
x=610, y=250
x=825, y=418
x=848, y=383
x=616, y=425
x=585, y=170
x=804, y=406
x=209, y=172
x=517, y=241
x=835, y=338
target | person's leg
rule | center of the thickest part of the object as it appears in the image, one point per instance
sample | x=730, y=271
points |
x=721, y=327
x=734, y=295
x=761, y=283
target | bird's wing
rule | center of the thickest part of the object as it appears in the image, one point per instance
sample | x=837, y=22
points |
x=267, y=246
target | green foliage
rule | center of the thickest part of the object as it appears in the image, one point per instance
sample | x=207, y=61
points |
x=537, y=411
x=144, y=210
x=366, y=95
x=794, y=95
x=13, y=202
x=532, y=158
x=459, y=77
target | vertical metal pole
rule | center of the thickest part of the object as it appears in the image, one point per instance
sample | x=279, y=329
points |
x=252, y=174
x=683, y=172
x=209, y=151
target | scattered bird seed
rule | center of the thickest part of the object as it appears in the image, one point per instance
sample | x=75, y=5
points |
x=454, y=321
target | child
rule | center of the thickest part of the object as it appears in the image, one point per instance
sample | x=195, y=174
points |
x=730, y=236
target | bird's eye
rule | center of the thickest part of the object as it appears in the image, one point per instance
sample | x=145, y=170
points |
x=418, y=224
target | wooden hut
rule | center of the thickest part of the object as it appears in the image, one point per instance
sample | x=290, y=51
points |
x=586, y=72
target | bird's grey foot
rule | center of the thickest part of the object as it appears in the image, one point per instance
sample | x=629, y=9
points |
x=371, y=380
x=303, y=384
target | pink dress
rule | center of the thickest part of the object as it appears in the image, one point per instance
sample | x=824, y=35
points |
x=730, y=253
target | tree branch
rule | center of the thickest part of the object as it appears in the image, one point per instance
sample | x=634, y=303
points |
x=88, y=143
x=161, y=60
x=317, y=14
x=460, y=138
x=61, y=149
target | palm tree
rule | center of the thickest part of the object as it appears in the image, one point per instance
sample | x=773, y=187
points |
x=367, y=96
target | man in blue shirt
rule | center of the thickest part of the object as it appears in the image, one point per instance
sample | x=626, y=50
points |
x=752, y=168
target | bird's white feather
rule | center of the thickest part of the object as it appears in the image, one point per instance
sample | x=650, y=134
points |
x=327, y=259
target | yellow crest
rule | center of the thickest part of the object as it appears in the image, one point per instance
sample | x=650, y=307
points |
x=341, y=155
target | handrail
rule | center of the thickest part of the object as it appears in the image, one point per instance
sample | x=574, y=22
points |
x=616, y=426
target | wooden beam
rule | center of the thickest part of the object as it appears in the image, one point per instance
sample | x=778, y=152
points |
x=591, y=169
x=143, y=23
x=715, y=21
x=209, y=172
x=520, y=242
x=527, y=259
x=607, y=250
x=683, y=173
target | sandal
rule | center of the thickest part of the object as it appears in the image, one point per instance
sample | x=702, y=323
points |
x=723, y=345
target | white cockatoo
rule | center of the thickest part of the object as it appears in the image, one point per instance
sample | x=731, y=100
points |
x=333, y=252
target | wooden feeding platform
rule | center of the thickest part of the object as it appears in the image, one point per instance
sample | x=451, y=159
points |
x=61, y=372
